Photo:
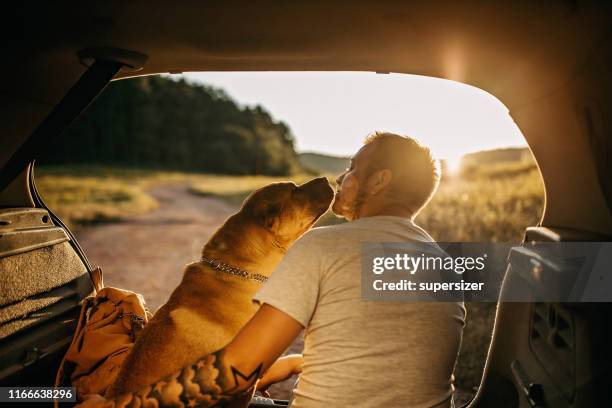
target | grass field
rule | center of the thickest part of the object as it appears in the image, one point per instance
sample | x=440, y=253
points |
x=492, y=203
x=487, y=203
x=83, y=195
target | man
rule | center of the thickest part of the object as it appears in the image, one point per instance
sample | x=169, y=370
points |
x=356, y=353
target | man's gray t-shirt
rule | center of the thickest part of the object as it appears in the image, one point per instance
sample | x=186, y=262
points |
x=359, y=353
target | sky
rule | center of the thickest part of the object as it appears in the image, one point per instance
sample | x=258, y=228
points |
x=332, y=112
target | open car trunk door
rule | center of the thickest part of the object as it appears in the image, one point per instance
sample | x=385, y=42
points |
x=44, y=274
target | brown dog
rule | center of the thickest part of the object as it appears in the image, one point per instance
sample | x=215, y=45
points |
x=214, y=299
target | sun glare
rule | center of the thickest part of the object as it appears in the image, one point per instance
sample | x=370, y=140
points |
x=452, y=164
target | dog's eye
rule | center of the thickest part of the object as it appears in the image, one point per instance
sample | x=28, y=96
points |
x=273, y=210
x=269, y=214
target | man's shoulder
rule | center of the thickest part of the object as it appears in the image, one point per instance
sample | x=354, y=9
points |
x=325, y=232
x=367, y=229
x=321, y=235
x=345, y=231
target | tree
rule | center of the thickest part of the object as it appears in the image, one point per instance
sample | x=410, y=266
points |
x=159, y=122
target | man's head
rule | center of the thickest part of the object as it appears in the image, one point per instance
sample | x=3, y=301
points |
x=390, y=174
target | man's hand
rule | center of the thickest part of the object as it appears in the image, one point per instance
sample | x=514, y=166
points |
x=281, y=370
x=227, y=374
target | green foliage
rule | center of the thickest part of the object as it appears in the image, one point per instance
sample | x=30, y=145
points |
x=157, y=122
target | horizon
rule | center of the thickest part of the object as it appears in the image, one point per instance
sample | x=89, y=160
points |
x=451, y=118
x=466, y=154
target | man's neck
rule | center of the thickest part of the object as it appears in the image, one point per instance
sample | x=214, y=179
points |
x=394, y=210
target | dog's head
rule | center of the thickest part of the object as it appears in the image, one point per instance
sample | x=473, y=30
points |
x=270, y=220
x=285, y=210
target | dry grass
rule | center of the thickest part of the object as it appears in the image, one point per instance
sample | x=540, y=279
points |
x=83, y=195
x=98, y=194
x=485, y=206
x=88, y=200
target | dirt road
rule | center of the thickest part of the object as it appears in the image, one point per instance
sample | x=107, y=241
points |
x=147, y=253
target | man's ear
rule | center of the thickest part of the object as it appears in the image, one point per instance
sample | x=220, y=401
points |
x=379, y=180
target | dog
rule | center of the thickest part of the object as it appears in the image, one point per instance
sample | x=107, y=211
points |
x=214, y=299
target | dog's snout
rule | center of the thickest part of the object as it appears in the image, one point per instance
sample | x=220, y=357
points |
x=320, y=184
x=320, y=192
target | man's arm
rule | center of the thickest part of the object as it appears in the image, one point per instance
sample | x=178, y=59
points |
x=223, y=375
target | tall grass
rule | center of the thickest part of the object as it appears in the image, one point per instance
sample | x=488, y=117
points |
x=486, y=204
x=89, y=200
x=83, y=195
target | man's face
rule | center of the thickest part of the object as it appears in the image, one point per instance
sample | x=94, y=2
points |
x=350, y=186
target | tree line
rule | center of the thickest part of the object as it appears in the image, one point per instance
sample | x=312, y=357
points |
x=162, y=123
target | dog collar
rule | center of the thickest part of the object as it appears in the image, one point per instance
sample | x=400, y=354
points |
x=230, y=270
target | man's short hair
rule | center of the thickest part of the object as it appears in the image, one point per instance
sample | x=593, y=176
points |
x=416, y=174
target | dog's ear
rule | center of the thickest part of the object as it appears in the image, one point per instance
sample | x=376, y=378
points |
x=269, y=214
